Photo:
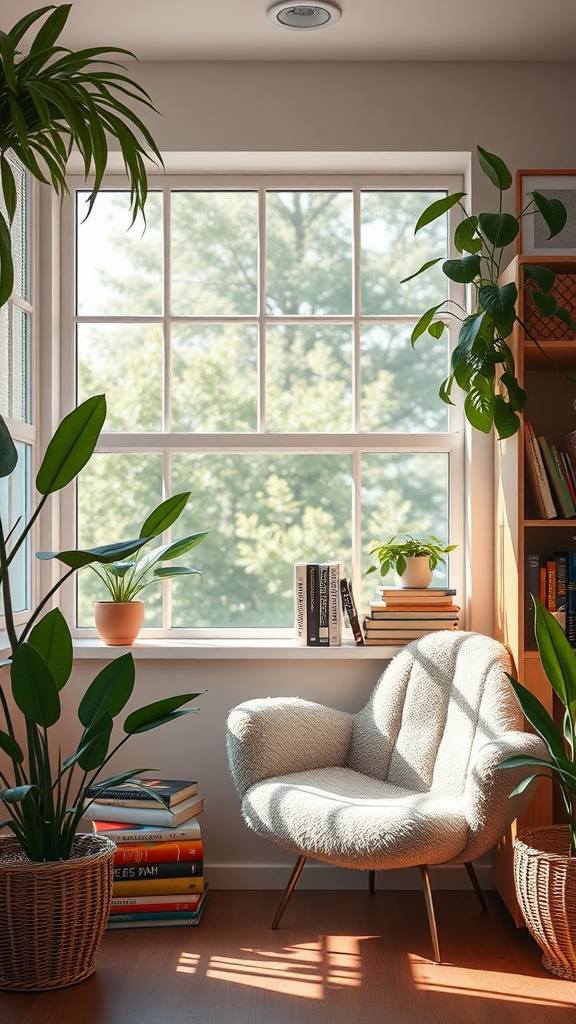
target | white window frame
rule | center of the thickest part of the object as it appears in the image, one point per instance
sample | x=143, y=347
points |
x=451, y=442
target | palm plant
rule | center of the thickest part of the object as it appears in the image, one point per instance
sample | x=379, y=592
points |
x=53, y=99
x=559, y=663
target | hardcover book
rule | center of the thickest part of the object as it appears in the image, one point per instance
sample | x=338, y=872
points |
x=158, y=853
x=168, y=817
x=130, y=832
x=159, y=886
x=167, y=869
x=167, y=791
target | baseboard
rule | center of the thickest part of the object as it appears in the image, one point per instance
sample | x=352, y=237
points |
x=322, y=876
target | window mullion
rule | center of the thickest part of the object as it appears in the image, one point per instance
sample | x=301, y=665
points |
x=356, y=310
x=261, y=415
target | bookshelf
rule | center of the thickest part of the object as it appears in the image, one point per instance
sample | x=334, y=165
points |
x=519, y=531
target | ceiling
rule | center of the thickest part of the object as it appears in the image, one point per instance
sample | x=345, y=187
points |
x=387, y=30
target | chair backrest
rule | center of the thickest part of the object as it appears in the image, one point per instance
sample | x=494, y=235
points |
x=440, y=700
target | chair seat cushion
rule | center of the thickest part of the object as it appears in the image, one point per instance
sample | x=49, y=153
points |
x=352, y=820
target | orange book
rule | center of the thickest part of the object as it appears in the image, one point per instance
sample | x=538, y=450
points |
x=157, y=853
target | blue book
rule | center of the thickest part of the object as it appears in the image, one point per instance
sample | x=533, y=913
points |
x=571, y=597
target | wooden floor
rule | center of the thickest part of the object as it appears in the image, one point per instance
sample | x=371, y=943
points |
x=337, y=957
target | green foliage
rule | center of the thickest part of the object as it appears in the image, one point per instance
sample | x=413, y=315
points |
x=45, y=797
x=559, y=663
x=482, y=364
x=53, y=99
x=393, y=554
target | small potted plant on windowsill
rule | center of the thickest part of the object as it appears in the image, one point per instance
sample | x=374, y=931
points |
x=120, y=619
x=413, y=560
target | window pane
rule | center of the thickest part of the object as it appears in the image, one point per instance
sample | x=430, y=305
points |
x=116, y=493
x=309, y=253
x=14, y=506
x=264, y=513
x=400, y=384
x=214, y=253
x=390, y=252
x=123, y=361
x=402, y=492
x=119, y=268
x=309, y=378
x=214, y=377
x=14, y=363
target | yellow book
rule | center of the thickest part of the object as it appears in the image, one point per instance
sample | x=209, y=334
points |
x=158, y=886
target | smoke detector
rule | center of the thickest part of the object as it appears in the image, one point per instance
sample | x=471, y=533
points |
x=303, y=15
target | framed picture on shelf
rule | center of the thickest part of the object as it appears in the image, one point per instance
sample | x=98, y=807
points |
x=533, y=235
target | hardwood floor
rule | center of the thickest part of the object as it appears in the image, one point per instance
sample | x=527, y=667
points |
x=337, y=956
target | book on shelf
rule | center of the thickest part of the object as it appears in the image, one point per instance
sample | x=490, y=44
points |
x=300, y=615
x=403, y=634
x=160, y=869
x=537, y=477
x=402, y=625
x=159, y=886
x=556, y=477
x=317, y=617
x=134, y=904
x=159, y=853
x=571, y=597
x=413, y=614
x=336, y=571
x=313, y=604
x=131, y=832
x=349, y=608
x=323, y=614
x=168, y=792
x=567, y=474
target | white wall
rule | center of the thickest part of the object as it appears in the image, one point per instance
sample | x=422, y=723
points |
x=521, y=112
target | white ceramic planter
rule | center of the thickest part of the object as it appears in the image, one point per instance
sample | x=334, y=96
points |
x=417, y=573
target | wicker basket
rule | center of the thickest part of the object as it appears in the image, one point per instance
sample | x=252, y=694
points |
x=545, y=877
x=52, y=914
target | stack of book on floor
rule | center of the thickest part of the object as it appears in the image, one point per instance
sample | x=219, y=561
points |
x=159, y=859
x=404, y=614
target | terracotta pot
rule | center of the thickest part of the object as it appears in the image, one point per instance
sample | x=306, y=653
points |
x=119, y=622
x=53, y=913
x=416, y=574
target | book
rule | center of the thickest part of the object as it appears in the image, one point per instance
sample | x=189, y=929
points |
x=169, y=791
x=536, y=473
x=380, y=625
x=349, y=607
x=323, y=612
x=427, y=593
x=130, y=832
x=300, y=618
x=159, y=886
x=566, y=472
x=134, y=917
x=134, y=904
x=166, y=816
x=571, y=597
x=336, y=570
x=171, y=917
x=551, y=585
x=312, y=604
x=165, y=869
x=532, y=584
x=561, y=565
x=401, y=634
x=556, y=478
x=387, y=614
x=158, y=853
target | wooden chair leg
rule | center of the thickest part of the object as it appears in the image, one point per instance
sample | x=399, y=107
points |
x=371, y=881
x=430, y=911
x=473, y=878
x=288, y=890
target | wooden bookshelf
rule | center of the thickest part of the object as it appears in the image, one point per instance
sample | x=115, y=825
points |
x=519, y=532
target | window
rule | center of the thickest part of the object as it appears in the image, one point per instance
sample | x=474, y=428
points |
x=15, y=390
x=254, y=347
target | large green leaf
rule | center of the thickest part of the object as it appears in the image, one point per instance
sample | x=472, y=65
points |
x=423, y=269
x=103, y=555
x=172, y=550
x=72, y=445
x=499, y=228
x=557, y=656
x=110, y=691
x=33, y=687
x=164, y=515
x=466, y=236
x=545, y=303
x=537, y=715
x=464, y=271
x=8, y=452
x=160, y=711
x=543, y=276
x=438, y=209
x=553, y=212
x=52, y=639
x=6, y=262
x=479, y=403
x=471, y=327
x=424, y=323
x=171, y=572
x=506, y=420
x=11, y=747
x=95, y=744
x=495, y=169
x=499, y=300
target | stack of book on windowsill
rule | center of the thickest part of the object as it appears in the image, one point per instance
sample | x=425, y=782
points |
x=159, y=859
x=405, y=614
x=317, y=608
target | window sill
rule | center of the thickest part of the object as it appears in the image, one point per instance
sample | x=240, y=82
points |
x=228, y=649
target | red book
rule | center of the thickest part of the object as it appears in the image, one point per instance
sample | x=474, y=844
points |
x=158, y=853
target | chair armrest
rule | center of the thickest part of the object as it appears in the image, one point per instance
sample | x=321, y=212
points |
x=277, y=735
x=489, y=808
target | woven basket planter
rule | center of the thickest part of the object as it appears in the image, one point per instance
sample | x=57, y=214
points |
x=545, y=877
x=52, y=914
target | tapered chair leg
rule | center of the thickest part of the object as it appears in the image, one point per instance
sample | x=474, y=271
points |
x=288, y=890
x=430, y=911
x=371, y=881
x=473, y=878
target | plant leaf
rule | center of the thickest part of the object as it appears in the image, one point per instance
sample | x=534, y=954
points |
x=499, y=300
x=543, y=276
x=557, y=656
x=438, y=209
x=553, y=211
x=164, y=515
x=6, y=262
x=424, y=322
x=479, y=403
x=96, y=743
x=464, y=271
x=10, y=746
x=494, y=168
x=103, y=555
x=155, y=714
x=500, y=228
x=465, y=236
x=436, y=329
x=33, y=687
x=72, y=445
x=545, y=302
x=109, y=692
x=506, y=420
x=423, y=268
x=8, y=452
x=51, y=638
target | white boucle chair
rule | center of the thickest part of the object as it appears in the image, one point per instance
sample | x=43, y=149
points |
x=410, y=780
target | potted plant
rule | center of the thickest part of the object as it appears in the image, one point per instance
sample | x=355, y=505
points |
x=120, y=619
x=545, y=858
x=412, y=559
x=482, y=364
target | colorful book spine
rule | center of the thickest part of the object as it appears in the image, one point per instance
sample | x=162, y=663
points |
x=300, y=616
x=157, y=853
x=334, y=616
x=561, y=565
x=571, y=597
x=167, y=869
x=536, y=473
x=181, y=901
x=313, y=604
x=349, y=607
x=159, y=886
x=167, y=817
x=323, y=608
x=555, y=475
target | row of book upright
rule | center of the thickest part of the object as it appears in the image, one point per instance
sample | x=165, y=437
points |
x=552, y=579
x=159, y=860
x=405, y=614
x=551, y=473
x=321, y=595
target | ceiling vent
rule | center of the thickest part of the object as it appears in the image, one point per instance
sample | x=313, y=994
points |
x=303, y=15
